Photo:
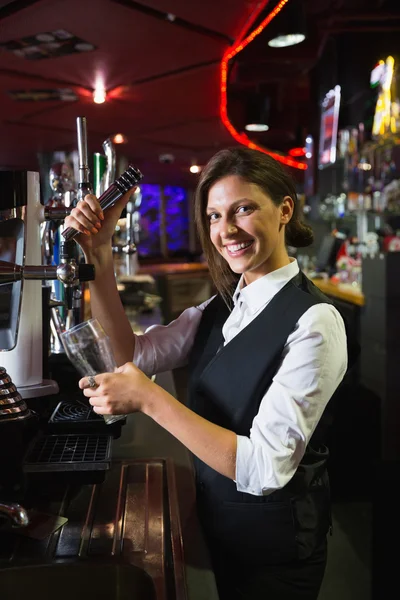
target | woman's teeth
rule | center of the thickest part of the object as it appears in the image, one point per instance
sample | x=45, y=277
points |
x=237, y=247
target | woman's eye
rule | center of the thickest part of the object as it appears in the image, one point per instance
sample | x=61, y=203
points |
x=212, y=217
x=243, y=209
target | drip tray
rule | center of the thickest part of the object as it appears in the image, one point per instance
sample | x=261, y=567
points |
x=77, y=417
x=70, y=452
x=74, y=411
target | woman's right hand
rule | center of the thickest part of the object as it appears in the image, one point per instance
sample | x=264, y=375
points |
x=96, y=228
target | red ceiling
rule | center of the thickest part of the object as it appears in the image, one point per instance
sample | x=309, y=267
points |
x=169, y=104
x=165, y=76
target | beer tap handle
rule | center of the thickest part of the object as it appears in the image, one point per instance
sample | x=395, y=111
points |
x=121, y=186
x=84, y=186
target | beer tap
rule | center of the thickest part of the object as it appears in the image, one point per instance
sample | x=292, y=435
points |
x=68, y=251
x=121, y=186
x=109, y=151
x=70, y=274
x=84, y=186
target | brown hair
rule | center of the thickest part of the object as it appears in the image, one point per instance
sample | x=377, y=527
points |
x=262, y=170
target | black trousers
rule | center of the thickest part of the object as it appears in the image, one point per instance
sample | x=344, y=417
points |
x=298, y=580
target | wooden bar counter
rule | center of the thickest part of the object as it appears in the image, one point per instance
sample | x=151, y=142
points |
x=342, y=291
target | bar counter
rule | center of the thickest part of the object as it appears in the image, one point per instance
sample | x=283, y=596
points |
x=342, y=291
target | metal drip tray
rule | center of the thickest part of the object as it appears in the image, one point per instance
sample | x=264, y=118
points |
x=116, y=532
x=72, y=411
x=77, y=417
x=71, y=452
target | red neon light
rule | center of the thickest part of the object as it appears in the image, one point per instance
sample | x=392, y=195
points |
x=229, y=54
x=252, y=19
x=297, y=151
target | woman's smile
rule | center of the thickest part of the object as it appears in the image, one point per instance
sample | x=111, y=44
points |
x=238, y=249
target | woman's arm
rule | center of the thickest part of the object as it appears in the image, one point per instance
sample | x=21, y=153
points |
x=106, y=305
x=314, y=363
x=96, y=230
x=212, y=444
x=129, y=390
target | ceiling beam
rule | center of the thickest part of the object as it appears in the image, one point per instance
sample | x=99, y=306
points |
x=15, y=7
x=40, y=79
x=175, y=72
x=174, y=20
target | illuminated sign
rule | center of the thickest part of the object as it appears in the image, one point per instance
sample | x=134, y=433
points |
x=386, y=112
x=329, y=128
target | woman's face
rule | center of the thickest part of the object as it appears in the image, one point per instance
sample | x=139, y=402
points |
x=247, y=228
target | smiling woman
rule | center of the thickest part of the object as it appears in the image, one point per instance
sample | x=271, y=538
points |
x=262, y=366
x=245, y=196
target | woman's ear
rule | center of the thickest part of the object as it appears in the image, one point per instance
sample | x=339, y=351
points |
x=287, y=209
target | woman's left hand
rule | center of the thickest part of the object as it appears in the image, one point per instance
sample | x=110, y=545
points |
x=119, y=393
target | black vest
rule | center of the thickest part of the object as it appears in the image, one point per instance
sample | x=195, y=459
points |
x=226, y=387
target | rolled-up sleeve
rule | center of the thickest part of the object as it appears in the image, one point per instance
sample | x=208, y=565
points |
x=314, y=363
x=165, y=347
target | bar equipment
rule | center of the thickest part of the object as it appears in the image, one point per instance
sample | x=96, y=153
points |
x=99, y=171
x=109, y=151
x=113, y=192
x=121, y=186
x=12, y=406
x=84, y=186
x=21, y=274
x=89, y=350
x=15, y=513
x=126, y=261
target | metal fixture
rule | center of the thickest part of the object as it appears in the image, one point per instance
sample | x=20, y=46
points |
x=12, y=406
x=84, y=186
x=109, y=151
x=15, y=513
x=69, y=273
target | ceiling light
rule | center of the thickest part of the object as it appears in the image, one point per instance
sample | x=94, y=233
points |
x=99, y=95
x=195, y=169
x=291, y=39
x=120, y=138
x=257, y=112
x=289, y=27
x=256, y=127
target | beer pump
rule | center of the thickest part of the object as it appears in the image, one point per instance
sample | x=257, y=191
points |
x=21, y=271
x=21, y=275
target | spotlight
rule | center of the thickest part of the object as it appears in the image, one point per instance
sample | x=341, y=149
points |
x=257, y=113
x=256, y=127
x=289, y=27
x=195, y=169
x=120, y=138
x=290, y=39
x=99, y=94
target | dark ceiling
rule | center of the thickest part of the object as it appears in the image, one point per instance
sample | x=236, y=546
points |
x=160, y=62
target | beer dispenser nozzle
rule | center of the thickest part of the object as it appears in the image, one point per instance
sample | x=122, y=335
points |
x=70, y=274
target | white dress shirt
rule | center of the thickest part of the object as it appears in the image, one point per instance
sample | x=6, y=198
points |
x=314, y=361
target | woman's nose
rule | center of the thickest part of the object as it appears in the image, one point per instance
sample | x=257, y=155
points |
x=227, y=229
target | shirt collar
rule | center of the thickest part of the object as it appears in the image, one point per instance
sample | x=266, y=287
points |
x=258, y=293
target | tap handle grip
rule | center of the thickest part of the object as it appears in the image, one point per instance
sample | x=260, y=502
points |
x=121, y=186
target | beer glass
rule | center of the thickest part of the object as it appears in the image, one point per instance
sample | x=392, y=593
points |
x=89, y=350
